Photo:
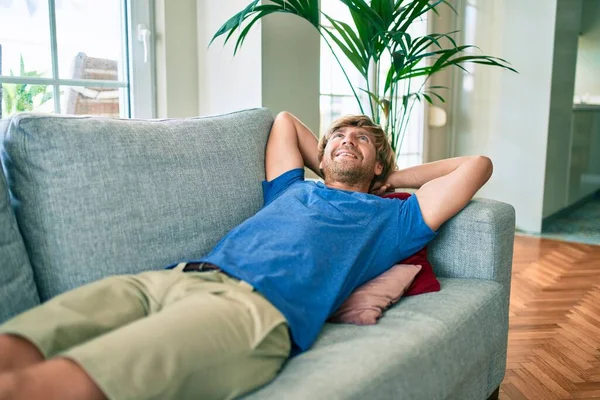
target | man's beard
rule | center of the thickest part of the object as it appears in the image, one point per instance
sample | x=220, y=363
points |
x=350, y=175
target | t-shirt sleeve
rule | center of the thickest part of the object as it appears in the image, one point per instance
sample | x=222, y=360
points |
x=272, y=189
x=414, y=232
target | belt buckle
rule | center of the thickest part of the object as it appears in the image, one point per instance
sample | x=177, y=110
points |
x=200, y=267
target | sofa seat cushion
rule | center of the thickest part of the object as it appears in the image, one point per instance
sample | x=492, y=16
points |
x=435, y=338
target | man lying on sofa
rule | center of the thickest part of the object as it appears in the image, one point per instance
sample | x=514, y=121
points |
x=224, y=325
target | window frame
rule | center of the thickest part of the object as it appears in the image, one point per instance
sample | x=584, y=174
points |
x=137, y=77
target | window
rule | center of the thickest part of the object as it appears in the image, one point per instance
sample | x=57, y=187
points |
x=76, y=57
x=337, y=99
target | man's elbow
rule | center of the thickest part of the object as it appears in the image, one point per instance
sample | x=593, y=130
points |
x=283, y=125
x=485, y=166
x=284, y=115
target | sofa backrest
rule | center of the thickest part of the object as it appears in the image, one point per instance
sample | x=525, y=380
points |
x=17, y=287
x=95, y=196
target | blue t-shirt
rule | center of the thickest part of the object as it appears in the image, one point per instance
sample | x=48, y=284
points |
x=310, y=246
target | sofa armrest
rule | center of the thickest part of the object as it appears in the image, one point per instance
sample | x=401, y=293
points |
x=476, y=243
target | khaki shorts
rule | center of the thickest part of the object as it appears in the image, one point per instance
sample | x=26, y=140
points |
x=163, y=334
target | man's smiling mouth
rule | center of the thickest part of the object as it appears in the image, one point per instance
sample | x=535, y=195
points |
x=346, y=154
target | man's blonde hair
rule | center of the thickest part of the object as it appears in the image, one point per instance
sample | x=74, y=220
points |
x=385, y=154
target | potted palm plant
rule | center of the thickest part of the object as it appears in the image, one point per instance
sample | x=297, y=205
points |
x=380, y=28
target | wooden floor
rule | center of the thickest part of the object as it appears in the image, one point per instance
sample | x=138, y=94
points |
x=554, y=334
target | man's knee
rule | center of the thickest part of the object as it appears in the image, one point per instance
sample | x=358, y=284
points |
x=276, y=344
x=20, y=347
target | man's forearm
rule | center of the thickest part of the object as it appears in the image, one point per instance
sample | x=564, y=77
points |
x=308, y=145
x=417, y=176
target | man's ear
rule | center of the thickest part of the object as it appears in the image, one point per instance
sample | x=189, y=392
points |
x=378, y=168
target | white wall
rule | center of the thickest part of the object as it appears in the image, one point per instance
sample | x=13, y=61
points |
x=505, y=115
x=588, y=58
x=227, y=83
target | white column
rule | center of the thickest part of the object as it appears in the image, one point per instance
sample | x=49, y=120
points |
x=505, y=115
x=277, y=67
x=290, y=68
x=176, y=58
x=567, y=28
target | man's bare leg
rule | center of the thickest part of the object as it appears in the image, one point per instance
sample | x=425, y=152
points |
x=55, y=379
x=17, y=353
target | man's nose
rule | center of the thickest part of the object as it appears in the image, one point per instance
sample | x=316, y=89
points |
x=349, y=140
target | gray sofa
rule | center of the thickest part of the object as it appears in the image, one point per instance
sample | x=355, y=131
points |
x=91, y=197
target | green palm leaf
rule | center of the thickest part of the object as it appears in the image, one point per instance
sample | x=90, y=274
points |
x=378, y=27
x=260, y=11
x=350, y=45
x=360, y=8
x=373, y=96
x=385, y=10
x=349, y=35
x=235, y=22
x=370, y=26
x=306, y=9
x=21, y=66
x=422, y=43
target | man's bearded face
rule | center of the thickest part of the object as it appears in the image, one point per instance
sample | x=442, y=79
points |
x=350, y=157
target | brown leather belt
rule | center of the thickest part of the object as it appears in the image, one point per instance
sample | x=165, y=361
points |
x=200, y=267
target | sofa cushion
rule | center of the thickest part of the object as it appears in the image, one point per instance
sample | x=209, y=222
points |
x=98, y=196
x=425, y=281
x=17, y=287
x=366, y=304
x=423, y=349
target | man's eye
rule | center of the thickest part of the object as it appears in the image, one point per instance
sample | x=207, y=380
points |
x=337, y=135
x=365, y=138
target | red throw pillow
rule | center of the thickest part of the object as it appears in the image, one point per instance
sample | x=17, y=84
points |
x=425, y=281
